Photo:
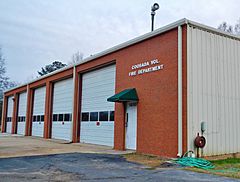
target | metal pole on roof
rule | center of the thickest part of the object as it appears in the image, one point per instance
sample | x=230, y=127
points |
x=153, y=9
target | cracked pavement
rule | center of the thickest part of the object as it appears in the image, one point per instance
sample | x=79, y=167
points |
x=91, y=167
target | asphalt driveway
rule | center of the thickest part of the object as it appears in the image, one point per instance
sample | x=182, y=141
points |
x=90, y=167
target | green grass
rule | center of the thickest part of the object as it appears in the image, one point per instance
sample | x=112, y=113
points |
x=229, y=167
x=231, y=161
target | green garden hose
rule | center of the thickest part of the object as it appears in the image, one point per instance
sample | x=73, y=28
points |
x=194, y=162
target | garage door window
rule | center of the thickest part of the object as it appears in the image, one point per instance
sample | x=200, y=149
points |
x=67, y=117
x=103, y=116
x=23, y=118
x=94, y=116
x=60, y=117
x=111, y=116
x=55, y=117
x=9, y=119
x=85, y=116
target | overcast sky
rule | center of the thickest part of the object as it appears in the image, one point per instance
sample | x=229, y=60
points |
x=33, y=33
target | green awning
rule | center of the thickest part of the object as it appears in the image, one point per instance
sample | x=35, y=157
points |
x=124, y=96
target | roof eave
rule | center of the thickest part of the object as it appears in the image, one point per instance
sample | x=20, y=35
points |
x=111, y=50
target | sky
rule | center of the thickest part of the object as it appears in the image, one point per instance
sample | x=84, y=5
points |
x=34, y=33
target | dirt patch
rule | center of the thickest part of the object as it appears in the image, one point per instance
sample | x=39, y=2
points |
x=151, y=161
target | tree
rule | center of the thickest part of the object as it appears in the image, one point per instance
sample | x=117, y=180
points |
x=229, y=28
x=51, y=67
x=5, y=82
x=225, y=27
x=237, y=27
x=76, y=57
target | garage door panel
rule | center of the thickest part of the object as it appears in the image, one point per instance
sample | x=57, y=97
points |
x=108, y=71
x=9, y=127
x=94, y=84
x=102, y=135
x=94, y=106
x=97, y=86
x=63, y=131
x=21, y=128
x=22, y=108
x=9, y=115
x=38, y=111
x=62, y=104
x=37, y=129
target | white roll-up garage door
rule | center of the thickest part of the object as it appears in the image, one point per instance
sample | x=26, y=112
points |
x=62, y=110
x=22, y=107
x=38, y=111
x=9, y=115
x=97, y=117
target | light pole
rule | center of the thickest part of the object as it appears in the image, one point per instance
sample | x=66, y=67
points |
x=154, y=8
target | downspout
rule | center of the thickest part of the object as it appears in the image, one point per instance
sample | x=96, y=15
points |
x=179, y=91
x=26, y=115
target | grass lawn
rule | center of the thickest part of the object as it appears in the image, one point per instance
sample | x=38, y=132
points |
x=225, y=167
x=229, y=167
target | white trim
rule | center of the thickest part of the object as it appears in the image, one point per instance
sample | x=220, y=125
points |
x=25, y=134
x=213, y=30
x=134, y=41
x=113, y=49
x=179, y=91
x=188, y=85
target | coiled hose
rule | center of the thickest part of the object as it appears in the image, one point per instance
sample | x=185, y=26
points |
x=194, y=162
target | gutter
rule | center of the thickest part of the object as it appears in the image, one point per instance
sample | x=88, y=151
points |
x=111, y=50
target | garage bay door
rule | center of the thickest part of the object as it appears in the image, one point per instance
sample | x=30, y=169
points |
x=9, y=115
x=38, y=112
x=22, y=106
x=62, y=110
x=97, y=117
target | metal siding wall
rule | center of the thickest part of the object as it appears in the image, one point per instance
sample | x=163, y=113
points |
x=213, y=91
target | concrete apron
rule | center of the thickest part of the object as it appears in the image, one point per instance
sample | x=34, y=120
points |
x=18, y=146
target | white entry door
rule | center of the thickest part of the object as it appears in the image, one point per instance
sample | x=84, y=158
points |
x=131, y=126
